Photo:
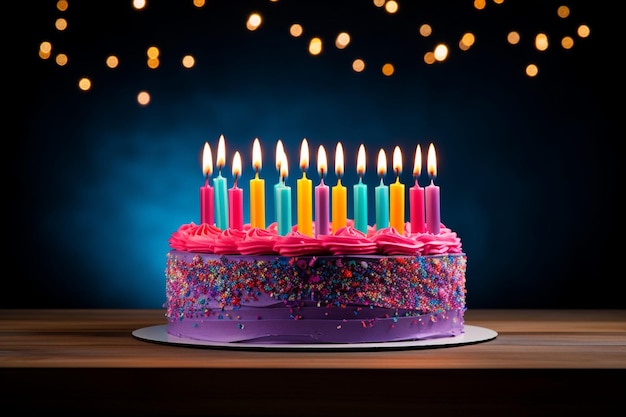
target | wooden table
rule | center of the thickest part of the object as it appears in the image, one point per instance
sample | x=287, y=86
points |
x=87, y=362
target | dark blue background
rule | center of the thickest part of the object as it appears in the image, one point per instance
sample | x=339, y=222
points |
x=527, y=166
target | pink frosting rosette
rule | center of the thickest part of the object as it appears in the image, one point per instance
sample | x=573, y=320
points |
x=178, y=239
x=446, y=241
x=296, y=243
x=348, y=241
x=258, y=242
x=202, y=239
x=390, y=242
x=226, y=242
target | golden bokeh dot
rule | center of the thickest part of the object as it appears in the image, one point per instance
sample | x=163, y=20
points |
x=199, y=3
x=480, y=4
x=379, y=3
x=467, y=40
x=153, y=63
x=391, y=7
x=112, y=61
x=152, y=52
x=498, y=1
x=426, y=30
x=429, y=57
x=541, y=42
x=343, y=39
x=567, y=42
x=315, y=46
x=139, y=4
x=62, y=5
x=532, y=70
x=358, y=65
x=60, y=24
x=61, y=60
x=254, y=21
x=388, y=69
x=84, y=84
x=143, y=98
x=583, y=31
x=441, y=52
x=45, y=50
x=513, y=37
x=296, y=30
x=562, y=11
x=189, y=61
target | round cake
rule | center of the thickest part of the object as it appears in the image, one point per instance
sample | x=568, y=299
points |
x=256, y=286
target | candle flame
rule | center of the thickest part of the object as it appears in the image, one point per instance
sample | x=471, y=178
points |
x=432, y=161
x=382, y=163
x=322, y=164
x=257, y=161
x=237, y=165
x=221, y=153
x=207, y=160
x=339, y=160
x=360, y=161
x=304, y=155
x=279, y=151
x=417, y=164
x=284, y=166
x=397, y=160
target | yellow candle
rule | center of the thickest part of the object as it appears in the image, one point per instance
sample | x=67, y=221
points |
x=305, y=194
x=257, y=189
x=339, y=194
x=396, y=195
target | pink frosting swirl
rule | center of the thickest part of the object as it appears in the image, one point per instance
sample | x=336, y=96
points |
x=178, y=239
x=258, y=242
x=227, y=241
x=202, y=238
x=446, y=241
x=390, y=242
x=296, y=243
x=348, y=241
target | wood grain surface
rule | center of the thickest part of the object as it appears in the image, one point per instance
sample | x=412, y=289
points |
x=541, y=362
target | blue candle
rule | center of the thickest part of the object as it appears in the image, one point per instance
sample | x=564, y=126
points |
x=283, y=197
x=280, y=150
x=382, y=194
x=360, y=194
x=221, y=192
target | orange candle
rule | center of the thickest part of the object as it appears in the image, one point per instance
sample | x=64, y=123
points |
x=339, y=194
x=305, y=193
x=396, y=195
x=257, y=189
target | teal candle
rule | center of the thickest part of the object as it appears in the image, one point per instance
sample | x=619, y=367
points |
x=360, y=194
x=283, y=198
x=360, y=206
x=284, y=209
x=219, y=185
x=382, y=206
x=221, y=202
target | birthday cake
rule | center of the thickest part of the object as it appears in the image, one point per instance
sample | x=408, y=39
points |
x=257, y=286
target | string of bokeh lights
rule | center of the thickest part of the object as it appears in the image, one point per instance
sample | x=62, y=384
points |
x=438, y=54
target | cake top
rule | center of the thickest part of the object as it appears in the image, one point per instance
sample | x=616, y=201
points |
x=207, y=238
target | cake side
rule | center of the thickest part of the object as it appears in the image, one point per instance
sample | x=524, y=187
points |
x=342, y=299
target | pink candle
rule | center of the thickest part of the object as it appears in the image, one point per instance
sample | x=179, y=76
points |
x=433, y=219
x=322, y=208
x=416, y=196
x=235, y=197
x=206, y=191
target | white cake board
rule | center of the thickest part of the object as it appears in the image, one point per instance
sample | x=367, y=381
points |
x=472, y=335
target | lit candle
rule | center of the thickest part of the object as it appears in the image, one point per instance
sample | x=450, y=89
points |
x=396, y=195
x=360, y=194
x=221, y=197
x=235, y=197
x=382, y=194
x=280, y=150
x=206, y=191
x=416, y=196
x=433, y=220
x=339, y=193
x=257, y=189
x=321, y=195
x=284, y=199
x=305, y=194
